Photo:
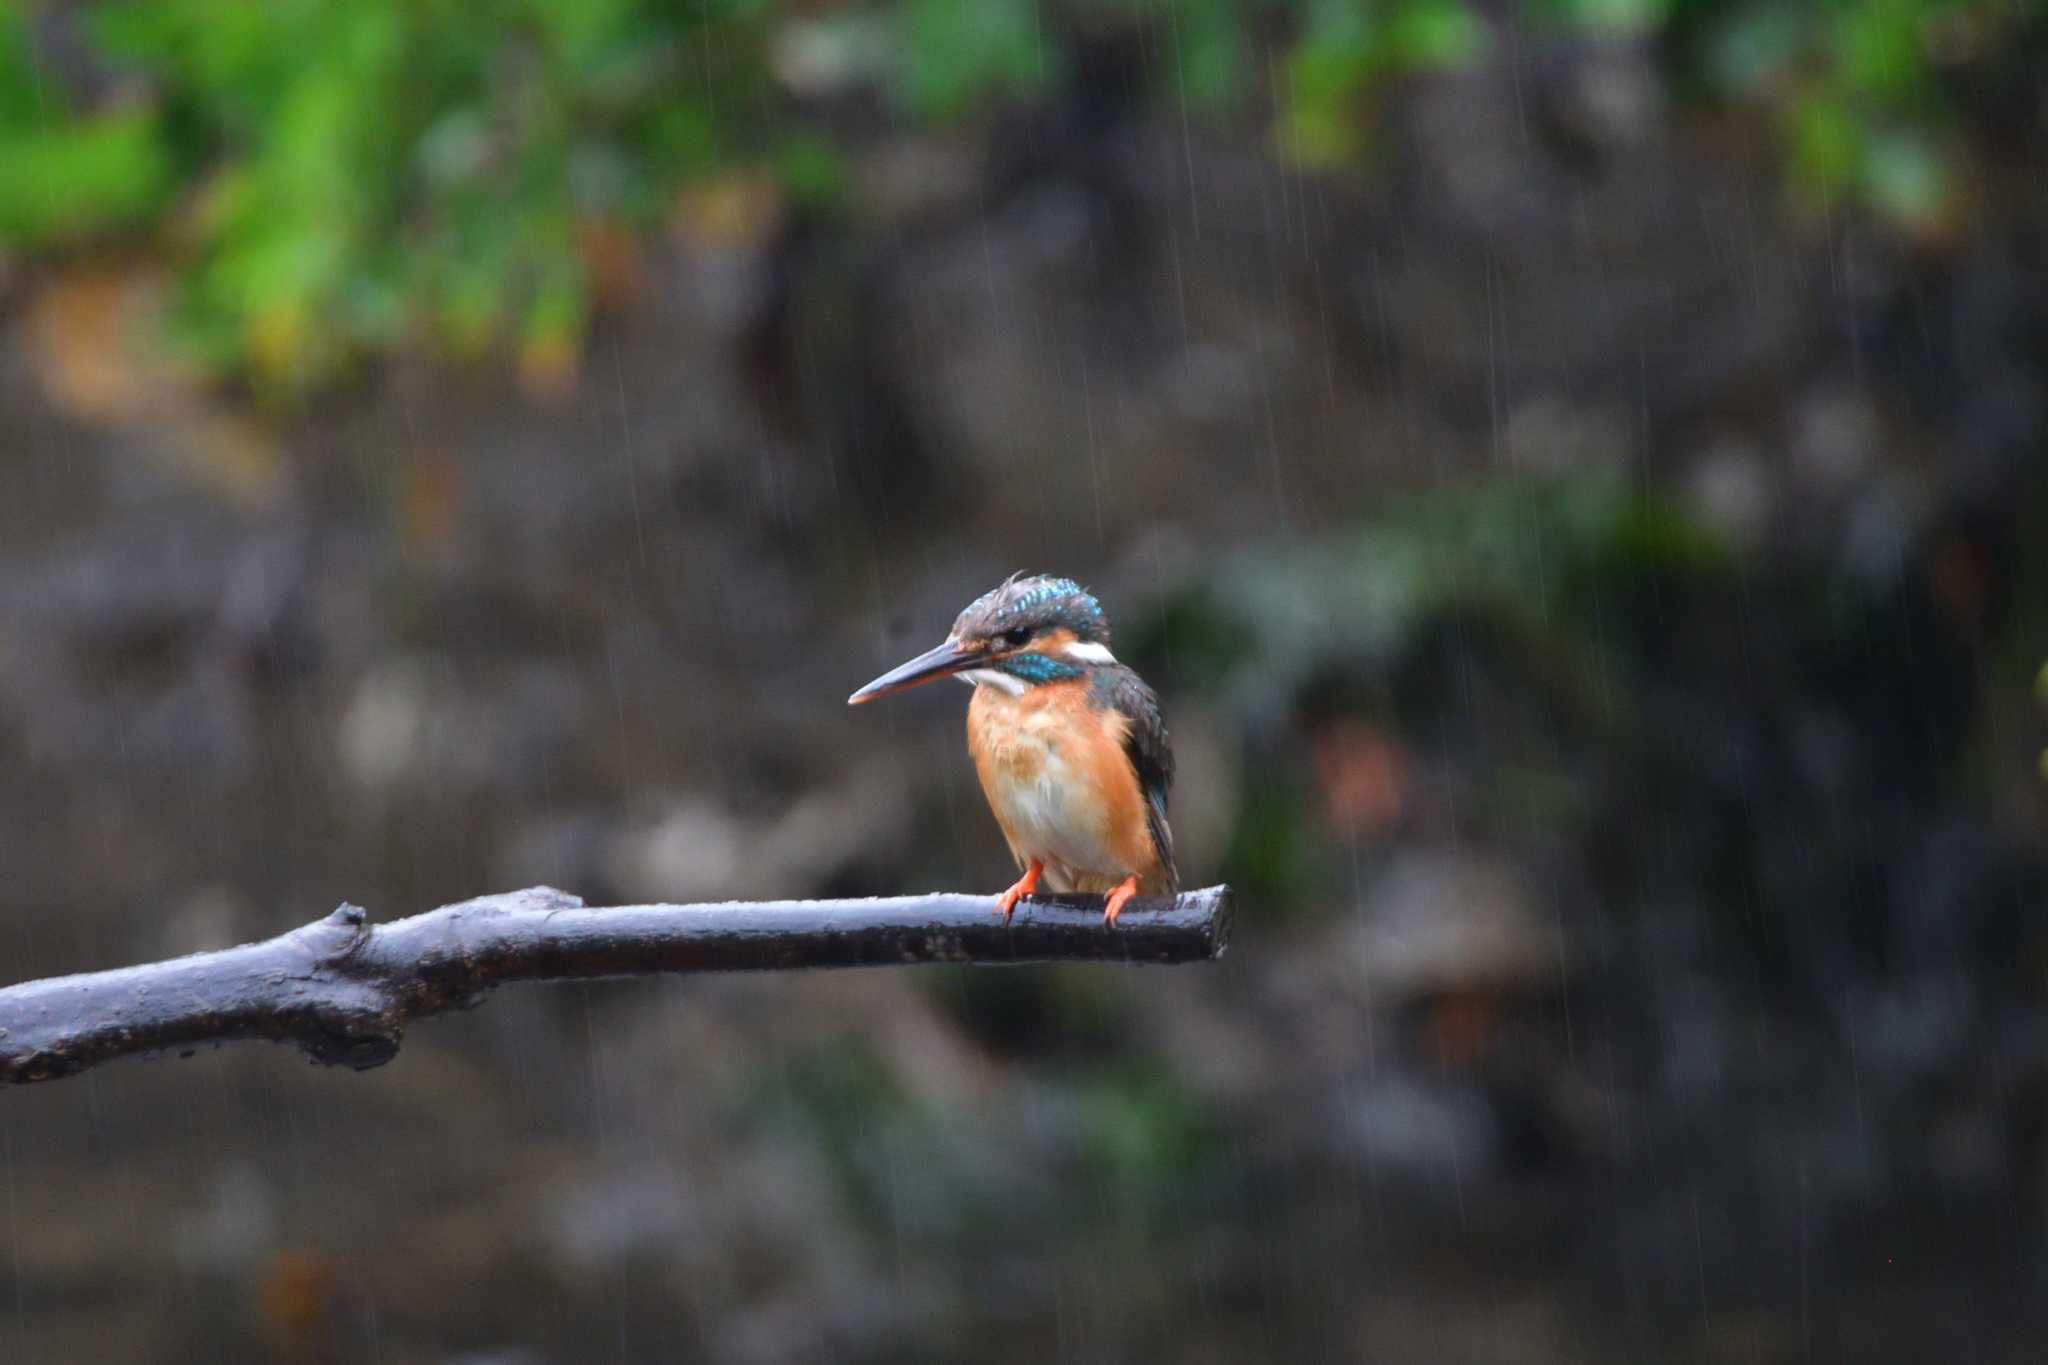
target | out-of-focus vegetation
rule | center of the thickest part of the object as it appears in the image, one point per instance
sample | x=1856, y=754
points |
x=1548, y=569
x=335, y=178
x=65, y=171
x=1530, y=557
x=340, y=176
x=1860, y=94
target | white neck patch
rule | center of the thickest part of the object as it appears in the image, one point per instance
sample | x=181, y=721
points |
x=1088, y=652
x=976, y=677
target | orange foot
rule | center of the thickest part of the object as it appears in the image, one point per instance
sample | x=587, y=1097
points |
x=1113, y=904
x=1006, y=904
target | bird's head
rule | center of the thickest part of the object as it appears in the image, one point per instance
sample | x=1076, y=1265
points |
x=1027, y=632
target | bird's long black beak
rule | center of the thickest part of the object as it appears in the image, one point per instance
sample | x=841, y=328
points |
x=933, y=663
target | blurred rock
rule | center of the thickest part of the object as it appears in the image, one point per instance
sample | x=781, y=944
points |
x=237, y=1224
x=1409, y=1129
x=1733, y=489
x=601, y=1223
x=1548, y=435
x=696, y=851
x=1446, y=919
x=382, y=726
x=1836, y=442
x=208, y=920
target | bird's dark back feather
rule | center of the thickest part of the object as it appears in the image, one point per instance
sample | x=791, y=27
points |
x=1145, y=744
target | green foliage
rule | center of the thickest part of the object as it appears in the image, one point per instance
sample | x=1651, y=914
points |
x=955, y=52
x=839, y=1096
x=1145, y=1132
x=1521, y=550
x=812, y=171
x=373, y=169
x=1543, y=570
x=1211, y=46
x=71, y=180
x=1270, y=854
x=1612, y=16
x=338, y=178
x=66, y=174
x=1347, y=52
x=1858, y=91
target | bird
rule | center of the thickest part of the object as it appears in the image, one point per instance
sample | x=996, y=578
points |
x=1069, y=744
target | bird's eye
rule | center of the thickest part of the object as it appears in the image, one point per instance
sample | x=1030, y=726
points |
x=1016, y=635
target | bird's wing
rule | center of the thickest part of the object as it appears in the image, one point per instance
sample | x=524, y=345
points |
x=1145, y=745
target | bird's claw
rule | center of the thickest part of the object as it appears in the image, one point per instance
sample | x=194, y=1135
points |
x=1113, y=904
x=1006, y=904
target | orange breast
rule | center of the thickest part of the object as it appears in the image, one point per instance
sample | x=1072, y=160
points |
x=1056, y=776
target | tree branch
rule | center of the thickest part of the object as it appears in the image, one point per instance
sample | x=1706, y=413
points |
x=343, y=990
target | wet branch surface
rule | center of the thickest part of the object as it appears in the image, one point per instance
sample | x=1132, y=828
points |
x=343, y=990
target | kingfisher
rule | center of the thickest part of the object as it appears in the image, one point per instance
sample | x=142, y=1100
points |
x=1069, y=743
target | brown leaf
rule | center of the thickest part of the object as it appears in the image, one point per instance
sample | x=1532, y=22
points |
x=430, y=503
x=612, y=255
x=297, y=1294
x=1363, y=776
x=549, y=366
x=735, y=211
x=100, y=357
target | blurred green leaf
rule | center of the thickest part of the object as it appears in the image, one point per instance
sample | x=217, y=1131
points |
x=1434, y=33
x=1523, y=550
x=394, y=168
x=1907, y=177
x=1347, y=52
x=81, y=177
x=24, y=100
x=1857, y=91
x=65, y=174
x=813, y=172
x=1267, y=859
x=1879, y=46
x=1614, y=16
x=1145, y=1129
x=1210, y=50
x=1827, y=144
x=956, y=52
x=1753, y=47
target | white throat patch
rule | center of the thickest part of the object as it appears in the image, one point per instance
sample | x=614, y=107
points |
x=976, y=677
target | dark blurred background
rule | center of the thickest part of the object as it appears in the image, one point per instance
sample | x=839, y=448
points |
x=1570, y=470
